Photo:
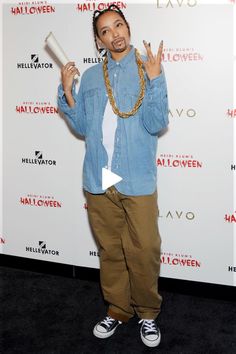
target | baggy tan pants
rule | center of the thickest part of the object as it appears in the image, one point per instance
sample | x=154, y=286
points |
x=126, y=230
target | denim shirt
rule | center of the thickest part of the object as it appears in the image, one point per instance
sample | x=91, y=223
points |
x=134, y=156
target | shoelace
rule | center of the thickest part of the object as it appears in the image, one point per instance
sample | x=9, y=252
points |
x=108, y=321
x=149, y=325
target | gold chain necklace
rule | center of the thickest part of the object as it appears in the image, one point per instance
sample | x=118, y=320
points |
x=109, y=88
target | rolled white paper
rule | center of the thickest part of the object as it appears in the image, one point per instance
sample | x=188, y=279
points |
x=55, y=47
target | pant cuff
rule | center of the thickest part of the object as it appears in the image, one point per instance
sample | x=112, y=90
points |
x=118, y=316
x=148, y=316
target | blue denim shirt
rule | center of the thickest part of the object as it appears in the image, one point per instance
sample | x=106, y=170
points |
x=134, y=156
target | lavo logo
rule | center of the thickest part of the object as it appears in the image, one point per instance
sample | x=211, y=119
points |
x=230, y=217
x=182, y=113
x=189, y=215
x=35, y=64
x=176, y=161
x=40, y=201
x=36, y=108
x=171, y=3
x=42, y=249
x=38, y=160
x=91, y=6
x=31, y=9
x=180, y=55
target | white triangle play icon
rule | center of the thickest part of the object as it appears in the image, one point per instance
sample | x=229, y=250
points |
x=109, y=178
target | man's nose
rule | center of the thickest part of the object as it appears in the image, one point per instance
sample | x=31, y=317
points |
x=115, y=33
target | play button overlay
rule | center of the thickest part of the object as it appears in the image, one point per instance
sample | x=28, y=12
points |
x=109, y=178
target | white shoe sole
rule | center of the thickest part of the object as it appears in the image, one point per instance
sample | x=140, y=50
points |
x=149, y=343
x=104, y=335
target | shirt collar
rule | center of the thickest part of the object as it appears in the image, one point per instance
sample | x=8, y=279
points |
x=123, y=62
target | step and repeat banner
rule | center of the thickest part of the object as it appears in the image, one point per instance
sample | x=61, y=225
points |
x=44, y=208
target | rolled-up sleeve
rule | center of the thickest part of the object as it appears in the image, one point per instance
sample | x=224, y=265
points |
x=75, y=115
x=155, y=104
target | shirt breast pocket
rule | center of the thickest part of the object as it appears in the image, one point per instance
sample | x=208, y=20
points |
x=92, y=103
x=129, y=100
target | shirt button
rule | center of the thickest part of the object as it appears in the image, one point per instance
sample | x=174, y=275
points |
x=114, y=75
x=117, y=63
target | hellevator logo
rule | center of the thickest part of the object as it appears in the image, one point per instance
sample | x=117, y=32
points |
x=34, y=64
x=42, y=249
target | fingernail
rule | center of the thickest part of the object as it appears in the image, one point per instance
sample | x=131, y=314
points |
x=144, y=41
x=149, y=44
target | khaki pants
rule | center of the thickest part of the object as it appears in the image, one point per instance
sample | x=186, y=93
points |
x=125, y=228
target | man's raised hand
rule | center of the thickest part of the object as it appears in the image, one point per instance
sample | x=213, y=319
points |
x=68, y=72
x=153, y=63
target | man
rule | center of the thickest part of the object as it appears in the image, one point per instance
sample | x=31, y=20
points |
x=120, y=108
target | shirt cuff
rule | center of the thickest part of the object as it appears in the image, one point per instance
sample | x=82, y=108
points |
x=61, y=93
x=63, y=104
x=157, y=81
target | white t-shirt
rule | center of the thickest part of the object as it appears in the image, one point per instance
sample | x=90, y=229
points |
x=109, y=129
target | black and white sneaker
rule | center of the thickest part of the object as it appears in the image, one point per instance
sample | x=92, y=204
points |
x=106, y=327
x=150, y=333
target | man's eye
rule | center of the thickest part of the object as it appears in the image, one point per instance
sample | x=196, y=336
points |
x=119, y=24
x=104, y=32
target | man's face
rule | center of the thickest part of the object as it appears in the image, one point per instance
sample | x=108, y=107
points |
x=113, y=32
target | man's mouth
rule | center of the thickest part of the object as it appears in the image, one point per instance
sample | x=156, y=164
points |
x=118, y=42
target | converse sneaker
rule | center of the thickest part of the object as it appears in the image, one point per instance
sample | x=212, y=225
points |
x=106, y=327
x=150, y=333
